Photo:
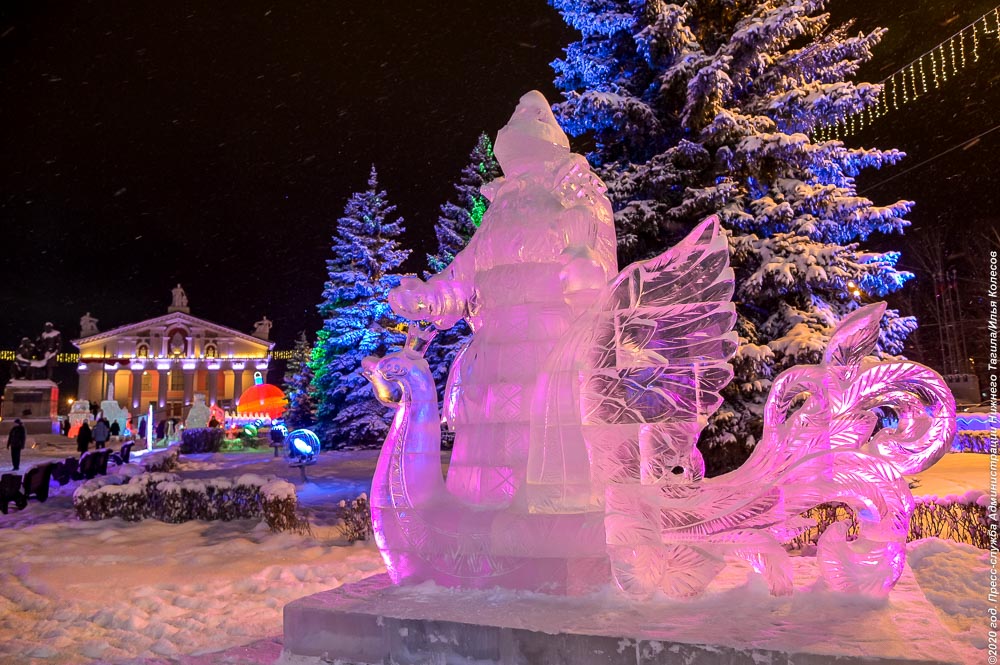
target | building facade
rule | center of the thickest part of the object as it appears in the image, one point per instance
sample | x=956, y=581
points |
x=166, y=360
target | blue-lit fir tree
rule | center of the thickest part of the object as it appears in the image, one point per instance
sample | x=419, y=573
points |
x=705, y=107
x=298, y=388
x=357, y=321
x=458, y=221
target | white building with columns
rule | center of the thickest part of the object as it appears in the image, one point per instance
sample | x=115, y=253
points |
x=166, y=360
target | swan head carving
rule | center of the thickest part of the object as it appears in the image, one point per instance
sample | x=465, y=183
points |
x=386, y=376
x=400, y=372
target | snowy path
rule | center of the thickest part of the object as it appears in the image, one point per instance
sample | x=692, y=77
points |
x=114, y=591
x=209, y=592
x=151, y=592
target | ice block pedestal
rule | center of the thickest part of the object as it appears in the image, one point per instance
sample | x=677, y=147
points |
x=374, y=622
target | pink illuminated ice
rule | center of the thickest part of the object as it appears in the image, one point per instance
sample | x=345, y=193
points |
x=579, y=402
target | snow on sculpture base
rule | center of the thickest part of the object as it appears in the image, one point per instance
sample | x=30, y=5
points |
x=736, y=622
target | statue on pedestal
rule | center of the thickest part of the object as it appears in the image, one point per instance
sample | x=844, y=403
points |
x=178, y=300
x=23, y=357
x=179, y=297
x=35, y=360
x=88, y=325
x=48, y=345
x=262, y=328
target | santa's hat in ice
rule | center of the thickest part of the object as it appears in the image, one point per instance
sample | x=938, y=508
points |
x=531, y=135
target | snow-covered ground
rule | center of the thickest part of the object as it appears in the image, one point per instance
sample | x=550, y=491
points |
x=212, y=592
x=150, y=592
x=955, y=475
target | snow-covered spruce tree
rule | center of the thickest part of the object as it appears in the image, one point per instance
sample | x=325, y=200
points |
x=707, y=106
x=298, y=389
x=461, y=216
x=458, y=221
x=357, y=321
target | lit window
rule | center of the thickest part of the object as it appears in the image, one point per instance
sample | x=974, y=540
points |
x=176, y=380
x=210, y=351
x=142, y=351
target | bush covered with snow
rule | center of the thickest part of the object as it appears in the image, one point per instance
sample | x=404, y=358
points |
x=201, y=440
x=962, y=518
x=356, y=519
x=162, y=460
x=959, y=518
x=127, y=497
x=164, y=496
x=279, y=508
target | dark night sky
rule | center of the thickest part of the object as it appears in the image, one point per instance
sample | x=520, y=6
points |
x=215, y=143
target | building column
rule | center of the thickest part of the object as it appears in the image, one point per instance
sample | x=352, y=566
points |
x=109, y=377
x=83, y=371
x=213, y=386
x=136, y=388
x=161, y=388
x=237, y=382
x=188, y=386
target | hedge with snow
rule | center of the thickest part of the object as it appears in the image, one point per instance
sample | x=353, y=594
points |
x=164, y=496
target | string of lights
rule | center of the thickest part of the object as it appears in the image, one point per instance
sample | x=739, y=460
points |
x=928, y=72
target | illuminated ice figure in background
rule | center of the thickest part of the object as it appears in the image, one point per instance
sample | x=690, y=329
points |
x=578, y=405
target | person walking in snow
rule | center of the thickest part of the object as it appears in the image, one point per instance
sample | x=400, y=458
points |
x=116, y=431
x=83, y=438
x=102, y=432
x=15, y=441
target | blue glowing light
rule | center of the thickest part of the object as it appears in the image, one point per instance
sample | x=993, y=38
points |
x=303, y=446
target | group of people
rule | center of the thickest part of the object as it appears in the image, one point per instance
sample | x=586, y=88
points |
x=99, y=435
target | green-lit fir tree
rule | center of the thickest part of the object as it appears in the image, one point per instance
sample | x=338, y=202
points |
x=704, y=107
x=301, y=412
x=357, y=320
x=458, y=221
